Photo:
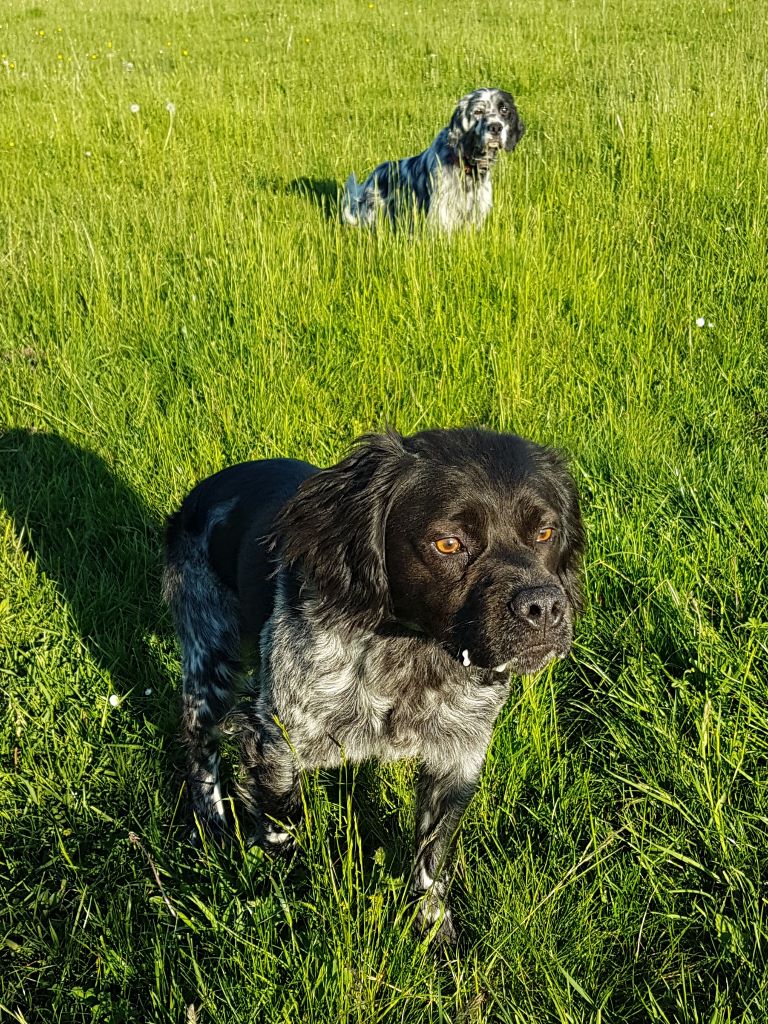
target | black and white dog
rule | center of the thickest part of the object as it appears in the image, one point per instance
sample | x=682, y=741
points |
x=449, y=183
x=385, y=601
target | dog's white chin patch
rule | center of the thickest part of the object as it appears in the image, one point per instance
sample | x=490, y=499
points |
x=465, y=659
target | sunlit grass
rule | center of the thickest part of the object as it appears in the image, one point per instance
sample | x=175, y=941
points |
x=176, y=295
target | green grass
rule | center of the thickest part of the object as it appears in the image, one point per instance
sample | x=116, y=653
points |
x=174, y=297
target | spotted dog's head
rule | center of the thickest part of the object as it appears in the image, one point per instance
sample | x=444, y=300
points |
x=470, y=538
x=485, y=122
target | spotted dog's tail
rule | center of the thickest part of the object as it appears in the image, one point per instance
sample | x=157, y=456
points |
x=352, y=202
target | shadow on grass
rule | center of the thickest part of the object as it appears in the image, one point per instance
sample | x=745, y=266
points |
x=356, y=790
x=95, y=539
x=322, y=192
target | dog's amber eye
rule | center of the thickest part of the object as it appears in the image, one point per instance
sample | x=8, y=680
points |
x=449, y=545
x=544, y=535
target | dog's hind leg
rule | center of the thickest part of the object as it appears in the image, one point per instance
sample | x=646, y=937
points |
x=207, y=622
x=361, y=205
x=270, y=784
x=350, y=201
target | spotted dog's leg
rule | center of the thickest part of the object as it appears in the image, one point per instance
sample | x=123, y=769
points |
x=206, y=615
x=206, y=698
x=441, y=799
x=270, y=785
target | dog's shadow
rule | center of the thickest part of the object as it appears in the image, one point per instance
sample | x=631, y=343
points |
x=321, y=192
x=355, y=793
x=95, y=539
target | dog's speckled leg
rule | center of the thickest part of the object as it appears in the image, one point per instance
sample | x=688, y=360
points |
x=441, y=800
x=270, y=784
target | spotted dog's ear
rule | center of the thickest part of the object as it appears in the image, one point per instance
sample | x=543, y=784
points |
x=515, y=126
x=334, y=528
x=458, y=127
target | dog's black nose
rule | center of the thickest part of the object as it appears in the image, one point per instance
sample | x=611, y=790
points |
x=540, y=607
x=495, y=128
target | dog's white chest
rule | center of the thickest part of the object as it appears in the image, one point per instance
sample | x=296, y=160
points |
x=366, y=699
x=458, y=202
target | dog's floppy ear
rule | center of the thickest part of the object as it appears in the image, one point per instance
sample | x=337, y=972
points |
x=457, y=128
x=335, y=524
x=516, y=128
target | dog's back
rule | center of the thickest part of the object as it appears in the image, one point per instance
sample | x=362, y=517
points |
x=217, y=541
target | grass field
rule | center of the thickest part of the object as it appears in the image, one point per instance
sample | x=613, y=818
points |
x=175, y=295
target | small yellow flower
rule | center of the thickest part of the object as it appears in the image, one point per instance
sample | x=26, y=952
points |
x=109, y=44
x=185, y=53
x=11, y=145
x=41, y=32
x=59, y=56
x=94, y=56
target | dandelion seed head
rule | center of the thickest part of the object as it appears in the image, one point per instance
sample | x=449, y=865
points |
x=134, y=108
x=170, y=107
x=700, y=321
x=114, y=700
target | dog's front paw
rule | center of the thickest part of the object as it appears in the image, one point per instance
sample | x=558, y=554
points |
x=434, y=921
x=274, y=839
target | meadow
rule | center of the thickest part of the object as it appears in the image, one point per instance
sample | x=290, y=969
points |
x=176, y=294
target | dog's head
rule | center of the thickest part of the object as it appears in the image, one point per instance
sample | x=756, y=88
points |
x=485, y=122
x=470, y=538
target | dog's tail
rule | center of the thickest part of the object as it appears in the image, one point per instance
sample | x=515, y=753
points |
x=351, y=201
